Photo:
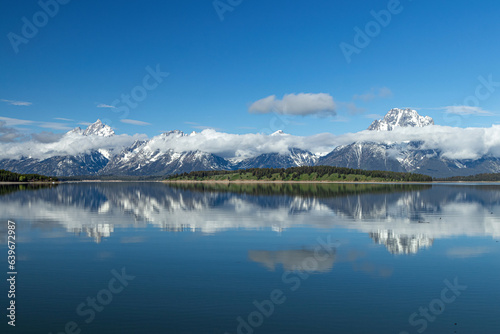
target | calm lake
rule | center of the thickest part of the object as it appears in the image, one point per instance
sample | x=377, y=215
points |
x=192, y=258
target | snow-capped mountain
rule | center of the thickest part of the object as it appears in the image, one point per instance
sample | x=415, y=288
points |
x=96, y=129
x=400, y=118
x=145, y=158
x=410, y=156
x=157, y=156
x=90, y=163
x=295, y=157
x=96, y=150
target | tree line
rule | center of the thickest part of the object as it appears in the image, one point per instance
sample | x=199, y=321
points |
x=7, y=176
x=295, y=173
x=474, y=178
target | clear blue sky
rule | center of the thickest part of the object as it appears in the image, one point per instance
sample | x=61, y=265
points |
x=428, y=57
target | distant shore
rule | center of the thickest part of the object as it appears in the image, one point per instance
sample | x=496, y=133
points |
x=42, y=182
x=312, y=182
x=288, y=182
x=244, y=182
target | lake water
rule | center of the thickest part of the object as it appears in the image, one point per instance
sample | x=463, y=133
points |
x=154, y=258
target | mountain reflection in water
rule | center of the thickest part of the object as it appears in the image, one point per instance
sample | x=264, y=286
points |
x=404, y=217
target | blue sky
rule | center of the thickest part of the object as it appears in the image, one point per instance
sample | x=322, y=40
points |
x=435, y=57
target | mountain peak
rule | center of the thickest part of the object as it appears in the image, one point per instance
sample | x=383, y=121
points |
x=173, y=134
x=400, y=118
x=98, y=129
x=76, y=130
x=278, y=133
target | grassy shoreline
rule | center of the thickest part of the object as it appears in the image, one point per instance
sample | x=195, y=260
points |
x=37, y=182
x=291, y=182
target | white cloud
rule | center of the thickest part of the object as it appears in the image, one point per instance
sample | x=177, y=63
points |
x=44, y=146
x=64, y=119
x=46, y=137
x=50, y=125
x=53, y=125
x=15, y=121
x=8, y=134
x=102, y=105
x=302, y=104
x=467, y=110
x=454, y=143
x=134, y=122
x=17, y=103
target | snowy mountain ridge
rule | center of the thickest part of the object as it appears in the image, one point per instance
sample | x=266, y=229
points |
x=89, y=152
x=400, y=118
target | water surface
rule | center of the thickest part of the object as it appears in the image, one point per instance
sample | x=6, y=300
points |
x=283, y=258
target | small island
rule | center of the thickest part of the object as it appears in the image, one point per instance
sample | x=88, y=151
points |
x=300, y=174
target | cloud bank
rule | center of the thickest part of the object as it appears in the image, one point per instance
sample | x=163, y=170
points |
x=45, y=145
x=454, y=143
x=302, y=104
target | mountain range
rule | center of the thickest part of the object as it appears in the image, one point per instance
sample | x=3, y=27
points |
x=148, y=157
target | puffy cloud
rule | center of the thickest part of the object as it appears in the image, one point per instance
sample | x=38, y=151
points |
x=302, y=104
x=46, y=145
x=454, y=143
x=46, y=137
x=8, y=134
